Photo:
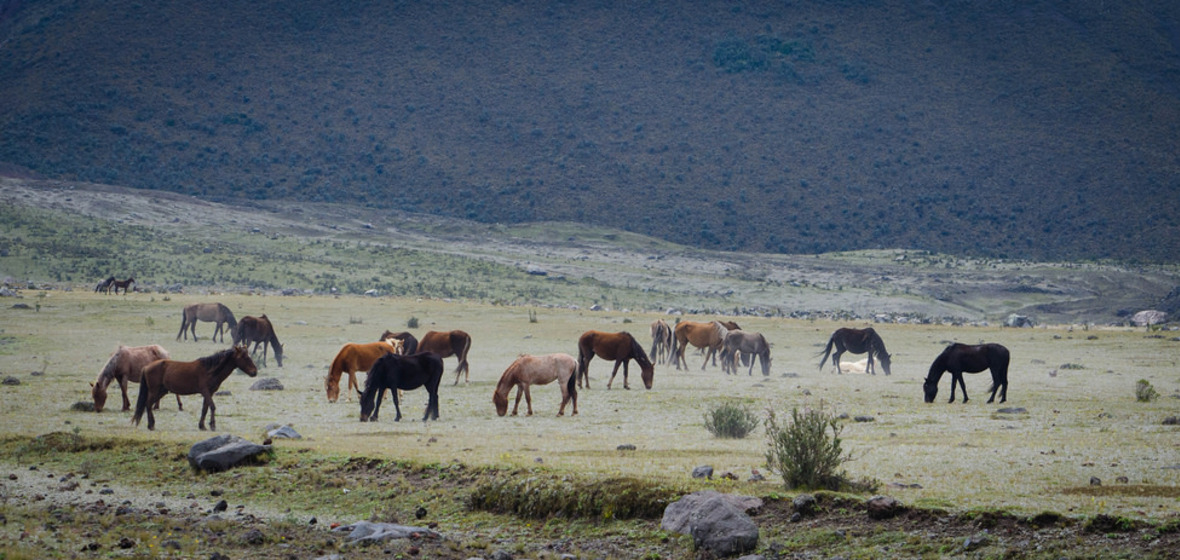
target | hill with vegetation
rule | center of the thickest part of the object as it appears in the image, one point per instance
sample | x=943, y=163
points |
x=1043, y=131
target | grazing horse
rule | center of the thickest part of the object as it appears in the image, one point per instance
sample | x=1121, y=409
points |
x=709, y=336
x=261, y=332
x=620, y=347
x=409, y=343
x=537, y=370
x=105, y=286
x=661, y=341
x=354, y=357
x=125, y=284
x=959, y=358
x=750, y=345
x=447, y=344
x=393, y=371
x=203, y=375
x=125, y=366
x=208, y=312
x=857, y=341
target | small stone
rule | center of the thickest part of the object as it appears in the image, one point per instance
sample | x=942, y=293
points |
x=703, y=471
x=1095, y=481
x=626, y=447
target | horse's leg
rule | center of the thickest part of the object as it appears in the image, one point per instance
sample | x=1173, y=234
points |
x=352, y=385
x=836, y=359
x=962, y=385
x=178, y=405
x=615, y=372
x=528, y=398
x=377, y=405
x=123, y=389
x=397, y=407
x=204, y=411
x=519, y=393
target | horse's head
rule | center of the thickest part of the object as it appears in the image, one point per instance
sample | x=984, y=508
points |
x=647, y=372
x=885, y=361
x=278, y=353
x=501, y=402
x=244, y=362
x=931, y=390
x=332, y=388
x=367, y=404
x=99, y=393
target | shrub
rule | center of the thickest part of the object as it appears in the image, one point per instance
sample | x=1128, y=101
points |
x=730, y=420
x=1144, y=392
x=412, y=323
x=806, y=450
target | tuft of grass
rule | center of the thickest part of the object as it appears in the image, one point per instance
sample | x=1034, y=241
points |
x=537, y=496
x=1144, y=392
x=730, y=420
x=412, y=323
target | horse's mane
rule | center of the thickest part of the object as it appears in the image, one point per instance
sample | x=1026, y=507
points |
x=108, y=371
x=878, y=342
x=233, y=322
x=638, y=353
x=212, y=361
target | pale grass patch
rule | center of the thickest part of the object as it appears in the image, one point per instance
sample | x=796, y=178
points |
x=1080, y=423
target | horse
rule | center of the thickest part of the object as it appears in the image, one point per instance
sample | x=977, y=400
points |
x=620, y=347
x=661, y=341
x=105, y=286
x=125, y=284
x=209, y=312
x=537, y=370
x=447, y=344
x=203, y=375
x=261, y=332
x=354, y=357
x=394, y=371
x=702, y=335
x=959, y=358
x=750, y=345
x=125, y=366
x=857, y=341
x=409, y=343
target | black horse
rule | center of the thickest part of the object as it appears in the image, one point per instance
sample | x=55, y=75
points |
x=105, y=286
x=857, y=341
x=394, y=372
x=959, y=358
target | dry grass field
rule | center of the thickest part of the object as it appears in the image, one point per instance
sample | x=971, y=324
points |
x=1076, y=385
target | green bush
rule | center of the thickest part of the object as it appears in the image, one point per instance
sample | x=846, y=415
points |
x=412, y=323
x=1144, y=392
x=730, y=420
x=806, y=450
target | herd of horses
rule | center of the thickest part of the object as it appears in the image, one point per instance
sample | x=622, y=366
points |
x=110, y=283
x=400, y=362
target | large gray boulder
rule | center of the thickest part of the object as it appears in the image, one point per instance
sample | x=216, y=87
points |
x=370, y=531
x=716, y=522
x=224, y=452
x=1148, y=317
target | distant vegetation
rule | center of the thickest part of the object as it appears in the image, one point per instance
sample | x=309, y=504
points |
x=998, y=130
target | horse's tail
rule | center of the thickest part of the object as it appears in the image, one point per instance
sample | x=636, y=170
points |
x=828, y=350
x=141, y=402
x=585, y=354
x=463, y=354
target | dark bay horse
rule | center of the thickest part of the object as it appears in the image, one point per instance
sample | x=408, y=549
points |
x=354, y=357
x=203, y=375
x=708, y=336
x=962, y=358
x=396, y=372
x=125, y=367
x=105, y=286
x=447, y=344
x=857, y=341
x=208, y=312
x=125, y=284
x=409, y=342
x=537, y=370
x=261, y=332
x=620, y=347
x=661, y=341
x=750, y=346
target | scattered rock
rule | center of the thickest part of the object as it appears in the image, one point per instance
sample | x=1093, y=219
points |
x=267, y=384
x=1095, y=481
x=254, y=537
x=10, y=380
x=126, y=542
x=804, y=504
x=224, y=452
x=1012, y=410
x=717, y=522
x=883, y=507
x=703, y=471
x=220, y=506
x=864, y=419
x=976, y=541
x=1122, y=480
x=369, y=531
x=282, y=432
x=626, y=447
x=1172, y=421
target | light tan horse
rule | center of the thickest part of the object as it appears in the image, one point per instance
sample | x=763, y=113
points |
x=709, y=336
x=537, y=370
x=125, y=366
x=210, y=313
x=447, y=344
x=203, y=375
x=661, y=342
x=354, y=357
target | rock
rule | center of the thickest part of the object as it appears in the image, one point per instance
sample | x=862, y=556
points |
x=10, y=380
x=975, y=541
x=1172, y=421
x=717, y=522
x=626, y=447
x=220, y=506
x=756, y=476
x=1148, y=317
x=1018, y=321
x=267, y=384
x=883, y=507
x=864, y=419
x=1095, y=481
x=283, y=432
x=254, y=537
x=1122, y=480
x=1012, y=410
x=804, y=504
x=220, y=453
x=703, y=471
x=369, y=531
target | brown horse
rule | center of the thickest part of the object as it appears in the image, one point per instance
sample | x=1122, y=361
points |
x=537, y=370
x=203, y=375
x=209, y=312
x=620, y=347
x=354, y=357
x=409, y=343
x=857, y=341
x=961, y=358
x=709, y=336
x=750, y=345
x=125, y=366
x=125, y=284
x=661, y=341
x=447, y=344
x=261, y=332
x=105, y=286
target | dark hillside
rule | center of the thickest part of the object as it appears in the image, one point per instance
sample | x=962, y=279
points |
x=1044, y=130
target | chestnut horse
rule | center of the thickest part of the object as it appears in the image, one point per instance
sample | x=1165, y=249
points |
x=857, y=341
x=122, y=284
x=959, y=358
x=709, y=336
x=354, y=357
x=261, y=332
x=447, y=344
x=661, y=341
x=750, y=345
x=394, y=371
x=125, y=367
x=203, y=375
x=537, y=370
x=409, y=343
x=208, y=312
x=620, y=347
